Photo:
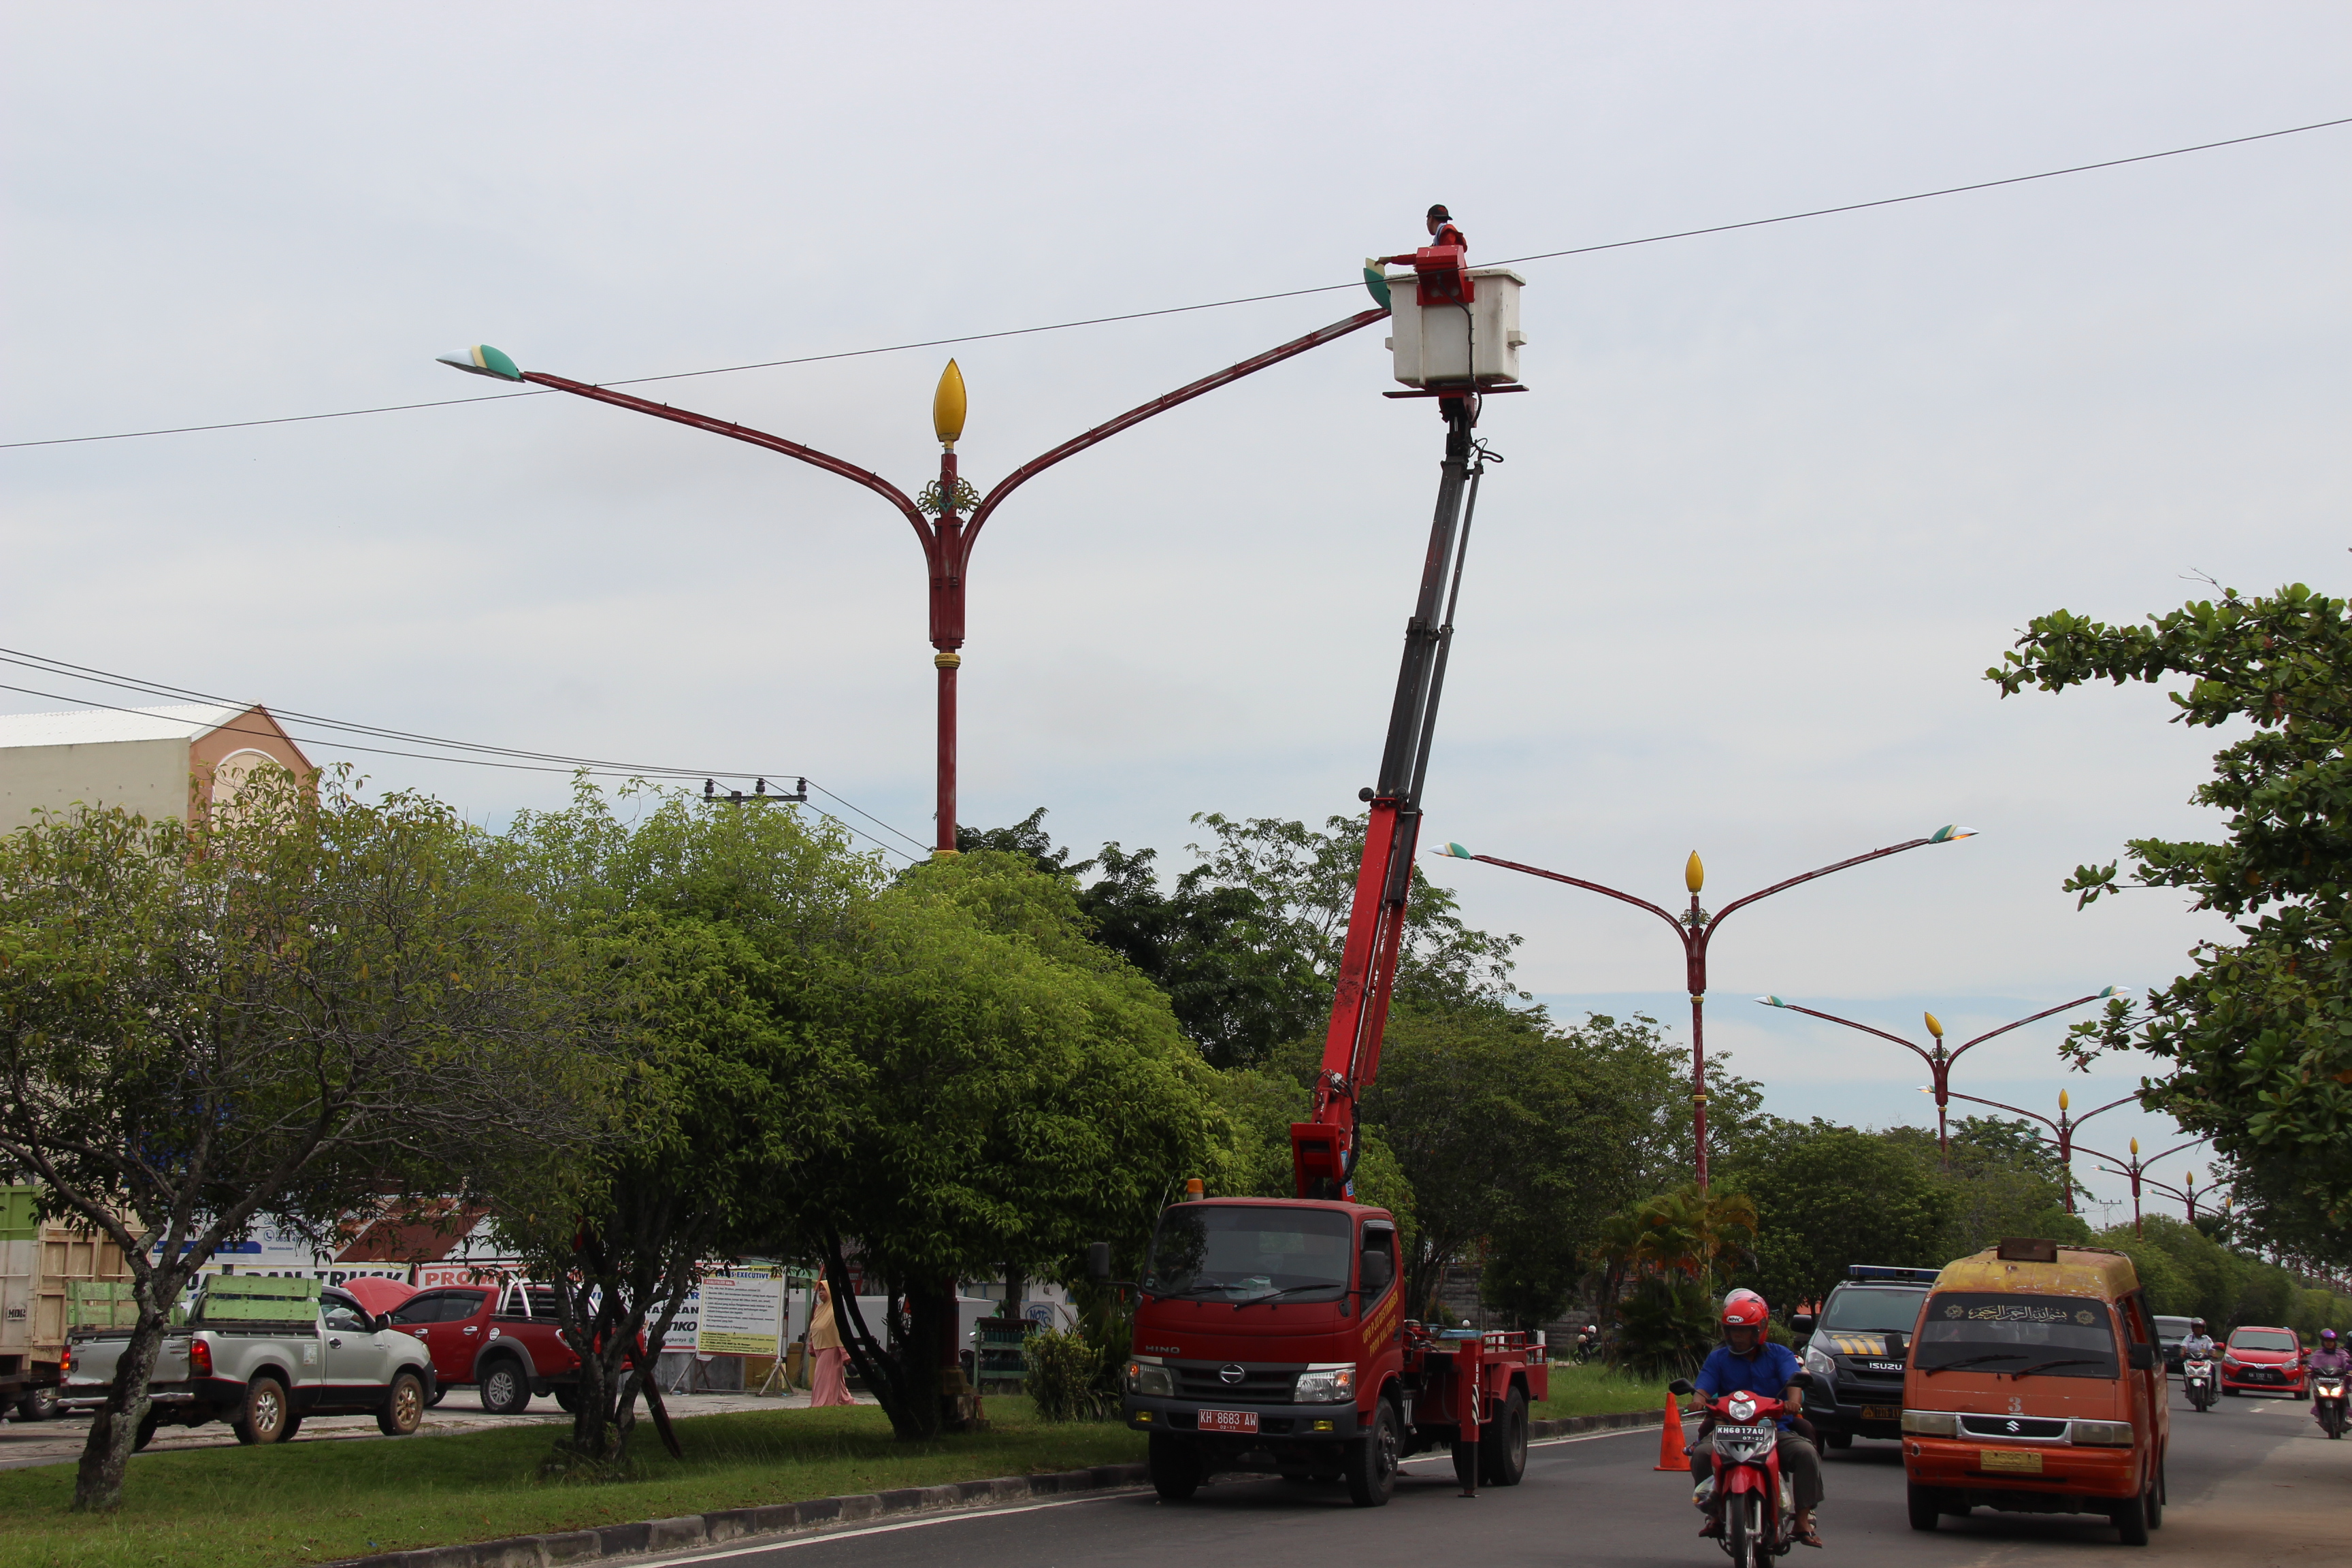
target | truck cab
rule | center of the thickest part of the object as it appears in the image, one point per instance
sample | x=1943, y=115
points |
x=1270, y=1334
x=1861, y=1339
x=503, y=1338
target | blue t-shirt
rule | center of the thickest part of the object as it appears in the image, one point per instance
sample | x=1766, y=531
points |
x=1768, y=1371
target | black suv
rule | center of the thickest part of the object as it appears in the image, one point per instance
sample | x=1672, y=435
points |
x=1859, y=1344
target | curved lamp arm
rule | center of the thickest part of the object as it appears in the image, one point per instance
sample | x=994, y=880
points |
x=1160, y=405
x=808, y=455
x=2036, y=1018
x=1588, y=887
x=1849, y=1022
x=1781, y=887
x=2013, y=1109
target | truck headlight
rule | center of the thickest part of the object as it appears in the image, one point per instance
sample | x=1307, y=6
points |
x=1149, y=1377
x=1931, y=1424
x=1820, y=1363
x=2104, y=1434
x=1326, y=1384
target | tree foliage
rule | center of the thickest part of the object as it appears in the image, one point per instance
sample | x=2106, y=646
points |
x=274, y=1015
x=1827, y=1196
x=1246, y=941
x=2258, y=1037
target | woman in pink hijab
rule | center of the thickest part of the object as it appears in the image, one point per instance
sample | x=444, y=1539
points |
x=829, y=1383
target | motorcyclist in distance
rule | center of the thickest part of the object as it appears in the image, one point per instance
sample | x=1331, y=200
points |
x=2199, y=1345
x=2329, y=1360
x=1748, y=1360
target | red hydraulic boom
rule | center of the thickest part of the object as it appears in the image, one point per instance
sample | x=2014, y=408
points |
x=1323, y=1151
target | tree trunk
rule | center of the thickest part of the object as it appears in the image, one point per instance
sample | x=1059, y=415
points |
x=98, y=1483
x=912, y=1403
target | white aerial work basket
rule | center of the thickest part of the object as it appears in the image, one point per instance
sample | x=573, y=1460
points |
x=1453, y=344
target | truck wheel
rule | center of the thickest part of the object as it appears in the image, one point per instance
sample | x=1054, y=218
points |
x=37, y=1404
x=1841, y=1441
x=146, y=1433
x=264, y=1417
x=1370, y=1463
x=506, y=1387
x=1502, y=1447
x=404, y=1407
x=1176, y=1468
x=440, y=1393
x=567, y=1398
x=1926, y=1506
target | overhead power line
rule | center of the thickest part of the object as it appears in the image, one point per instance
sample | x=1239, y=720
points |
x=1215, y=304
x=477, y=755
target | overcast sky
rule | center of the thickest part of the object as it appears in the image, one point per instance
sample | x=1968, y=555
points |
x=1777, y=499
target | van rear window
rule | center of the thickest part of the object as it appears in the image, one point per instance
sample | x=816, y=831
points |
x=2021, y=1336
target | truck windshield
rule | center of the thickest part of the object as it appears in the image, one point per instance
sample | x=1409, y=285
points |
x=1237, y=1252
x=2053, y=1336
x=1874, y=1309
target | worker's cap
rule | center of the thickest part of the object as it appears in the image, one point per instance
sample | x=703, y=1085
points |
x=1438, y=212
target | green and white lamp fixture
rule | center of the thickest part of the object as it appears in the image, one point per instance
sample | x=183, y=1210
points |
x=483, y=360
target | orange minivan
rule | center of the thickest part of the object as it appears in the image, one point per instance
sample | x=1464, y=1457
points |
x=2036, y=1385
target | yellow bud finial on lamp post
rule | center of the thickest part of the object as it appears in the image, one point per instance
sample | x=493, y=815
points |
x=1934, y=1024
x=1694, y=873
x=2062, y=1102
x=948, y=406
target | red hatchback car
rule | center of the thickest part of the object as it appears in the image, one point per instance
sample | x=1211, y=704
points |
x=2269, y=1361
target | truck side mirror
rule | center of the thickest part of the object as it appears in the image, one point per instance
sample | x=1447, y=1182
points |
x=1099, y=1260
x=1379, y=1269
x=2143, y=1357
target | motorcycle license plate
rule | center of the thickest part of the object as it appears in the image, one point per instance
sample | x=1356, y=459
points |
x=1882, y=1413
x=1231, y=1421
x=2013, y=1461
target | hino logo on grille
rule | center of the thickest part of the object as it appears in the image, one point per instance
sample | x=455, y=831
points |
x=1230, y=1372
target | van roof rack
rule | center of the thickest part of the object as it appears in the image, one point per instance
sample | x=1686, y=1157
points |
x=1888, y=1273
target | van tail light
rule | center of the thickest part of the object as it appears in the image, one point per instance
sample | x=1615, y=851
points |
x=200, y=1358
x=65, y=1363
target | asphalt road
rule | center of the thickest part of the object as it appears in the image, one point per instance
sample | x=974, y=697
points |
x=2253, y=1481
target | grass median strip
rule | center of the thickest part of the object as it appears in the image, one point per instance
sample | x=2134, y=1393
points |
x=317, y=1502
x=1596, y=1391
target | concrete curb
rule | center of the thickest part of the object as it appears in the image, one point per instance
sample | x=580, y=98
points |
x=690, y=1531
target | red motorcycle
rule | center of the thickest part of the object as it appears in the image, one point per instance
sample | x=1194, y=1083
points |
x=1759, y=1512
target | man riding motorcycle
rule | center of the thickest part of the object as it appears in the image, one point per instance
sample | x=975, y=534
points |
x=1748, y=1360
x=2199, y=1345
x=2330, y=1360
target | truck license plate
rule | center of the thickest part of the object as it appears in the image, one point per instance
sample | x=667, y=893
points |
x=1243, y=1420
x=2016, y=1462
x=1882, y=1413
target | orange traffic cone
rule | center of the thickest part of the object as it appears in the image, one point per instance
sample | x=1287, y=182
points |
x=1671, y=1439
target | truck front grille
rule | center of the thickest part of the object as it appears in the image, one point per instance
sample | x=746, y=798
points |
x=1258, y=1385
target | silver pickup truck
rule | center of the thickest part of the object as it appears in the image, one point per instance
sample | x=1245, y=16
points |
x=261, y=1353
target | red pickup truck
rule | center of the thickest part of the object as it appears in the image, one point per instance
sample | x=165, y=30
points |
x=503, y=1339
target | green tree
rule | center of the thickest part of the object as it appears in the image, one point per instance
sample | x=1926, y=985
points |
x=2258, y=1039
x=1827, y=1196
x=1666, y=1257
x=1022, y=1092
x=706, y=927
x=1246, y=941
x=2003, y=1180
x=276, y=1014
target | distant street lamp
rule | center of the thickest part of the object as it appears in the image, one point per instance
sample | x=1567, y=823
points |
x=1938, y=1059
x=2134, y=1167
x=938, y=513
x=1695, y=928
x=2064, y=1128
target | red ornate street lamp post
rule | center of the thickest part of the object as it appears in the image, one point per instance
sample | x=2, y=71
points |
x=2064, y=1128
x=1940, y=1060
x=2134, y=1169
x=1695, y=928
x=947, y=514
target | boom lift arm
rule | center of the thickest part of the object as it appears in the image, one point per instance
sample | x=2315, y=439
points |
x=1323, y=1151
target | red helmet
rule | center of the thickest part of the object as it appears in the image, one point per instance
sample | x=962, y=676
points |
x=1745, y=1310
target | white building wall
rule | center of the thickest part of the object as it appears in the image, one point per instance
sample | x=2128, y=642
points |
x=150, y=777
